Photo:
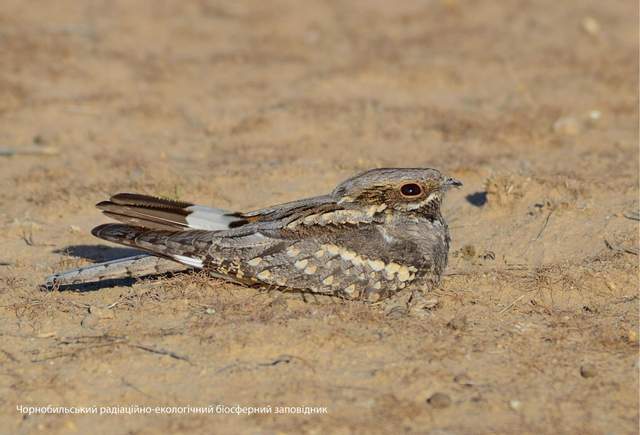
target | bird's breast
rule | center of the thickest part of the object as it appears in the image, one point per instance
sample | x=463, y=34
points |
x=421, y=242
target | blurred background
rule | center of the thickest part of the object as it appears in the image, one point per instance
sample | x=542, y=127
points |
x=169, y=94
x=240, y=105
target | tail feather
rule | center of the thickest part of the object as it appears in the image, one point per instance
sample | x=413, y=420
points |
x=145, y=222
x=129, y=267
x=175, y=245
x=138, y=199
x=166, y=214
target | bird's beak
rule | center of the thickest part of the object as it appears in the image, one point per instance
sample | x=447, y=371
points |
x=452, y=182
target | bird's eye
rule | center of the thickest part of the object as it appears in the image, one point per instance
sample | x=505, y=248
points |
x=411, y=189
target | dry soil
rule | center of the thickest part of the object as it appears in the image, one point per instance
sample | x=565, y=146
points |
x=533, y=104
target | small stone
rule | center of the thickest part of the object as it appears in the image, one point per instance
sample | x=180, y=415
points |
x=591, y=26
x=428, y=304
x=588, y=371
x=468, y=252
x=567, y=126
x=595, y=115
x=89, y=321
x=458, y=322
x=464, y=380
x=210, y=311
x=516, y=405
x=38, y=139
x=397, y=312
x=439, y=400
x=477, y=397
x=421, y=306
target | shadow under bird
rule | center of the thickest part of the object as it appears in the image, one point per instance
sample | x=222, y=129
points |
x=375, y=234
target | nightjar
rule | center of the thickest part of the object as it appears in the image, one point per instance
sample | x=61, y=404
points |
x=375, y=234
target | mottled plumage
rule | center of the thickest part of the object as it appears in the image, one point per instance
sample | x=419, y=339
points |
x=374, y=235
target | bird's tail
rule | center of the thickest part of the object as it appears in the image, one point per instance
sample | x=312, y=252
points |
x=168, y=229
x=186, y=247
x=128, y=267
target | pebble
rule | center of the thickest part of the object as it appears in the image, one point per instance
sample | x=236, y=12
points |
x=468, y=252
x=588, y=371
x=632, y=336
x=568, y=126
x=464, y=380
x=89, y=321
x=458, y=322
x=439, y=400
x=430, y=303
x=516, y=405
x=397, y=312
x=39, y=139
x=591, y=26
x=594, y=115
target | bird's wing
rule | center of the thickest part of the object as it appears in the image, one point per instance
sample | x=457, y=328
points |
x=166, y=214
x=291, y=210
x=151, y=221
x=185, y=232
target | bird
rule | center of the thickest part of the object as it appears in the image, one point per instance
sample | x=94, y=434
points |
x=374, y=235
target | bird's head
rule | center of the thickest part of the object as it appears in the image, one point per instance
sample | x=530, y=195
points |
x=415, y=190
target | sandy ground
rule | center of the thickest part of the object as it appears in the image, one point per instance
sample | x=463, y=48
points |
x=246, y=104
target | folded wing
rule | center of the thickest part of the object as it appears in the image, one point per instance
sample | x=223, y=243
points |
x=183, y=232
x=166, y=214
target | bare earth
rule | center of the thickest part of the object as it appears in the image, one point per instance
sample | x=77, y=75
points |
x=247, y=104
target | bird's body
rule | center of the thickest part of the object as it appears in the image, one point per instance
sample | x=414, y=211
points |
x=375, y=234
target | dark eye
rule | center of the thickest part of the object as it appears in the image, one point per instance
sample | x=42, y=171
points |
x=411, y=189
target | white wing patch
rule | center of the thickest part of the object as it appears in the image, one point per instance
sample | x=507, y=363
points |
x=207, y=218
